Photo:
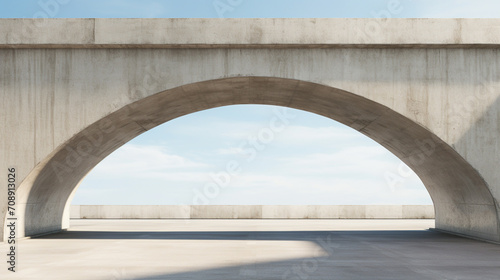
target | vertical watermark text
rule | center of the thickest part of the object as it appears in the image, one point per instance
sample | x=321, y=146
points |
x=11, y=222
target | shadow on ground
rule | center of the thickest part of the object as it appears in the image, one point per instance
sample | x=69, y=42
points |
x=409, y=254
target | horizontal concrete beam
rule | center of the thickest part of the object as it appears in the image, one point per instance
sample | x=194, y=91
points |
x=252, y=212
x=248, y=33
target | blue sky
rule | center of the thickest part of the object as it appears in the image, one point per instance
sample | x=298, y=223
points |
x=309, y=160
x=248, y=8
x=313, y=160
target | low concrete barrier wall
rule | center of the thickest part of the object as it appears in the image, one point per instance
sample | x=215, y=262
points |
x=252, y=212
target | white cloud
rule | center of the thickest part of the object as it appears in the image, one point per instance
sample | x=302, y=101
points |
x=231, y=151
x=133, y=160
x=284, y=189
x=304, y=134
x=357, y=162
x=291, y=136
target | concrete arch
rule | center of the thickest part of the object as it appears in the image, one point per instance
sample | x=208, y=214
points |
x=462, y=200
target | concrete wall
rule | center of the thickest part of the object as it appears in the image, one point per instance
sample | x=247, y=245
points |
x=74, y=90
x=252, y=212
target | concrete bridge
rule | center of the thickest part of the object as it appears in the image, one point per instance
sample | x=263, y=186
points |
x=74, y=90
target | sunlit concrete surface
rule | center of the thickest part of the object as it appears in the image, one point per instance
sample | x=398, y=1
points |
x=72, y=91
x=252, y=212
x=254, y=249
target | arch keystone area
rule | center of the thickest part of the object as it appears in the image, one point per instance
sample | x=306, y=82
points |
x=69, y=101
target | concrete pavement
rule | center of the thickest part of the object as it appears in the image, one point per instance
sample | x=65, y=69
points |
x=254, y=249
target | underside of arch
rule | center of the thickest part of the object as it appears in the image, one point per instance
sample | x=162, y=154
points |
x=462, y=200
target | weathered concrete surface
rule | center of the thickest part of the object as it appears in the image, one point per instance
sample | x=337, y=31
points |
x=238, y=33
x=252, y=212
x=130, y=212
x=254, y=249
x=438, y=109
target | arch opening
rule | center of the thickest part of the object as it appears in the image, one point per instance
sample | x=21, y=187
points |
x=462, y=200
x=250, y=155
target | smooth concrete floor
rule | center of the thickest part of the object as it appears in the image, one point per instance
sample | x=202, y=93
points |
x=253, y=249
